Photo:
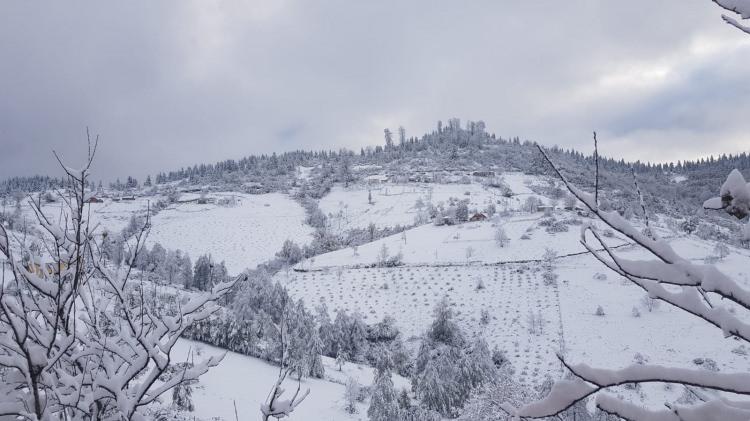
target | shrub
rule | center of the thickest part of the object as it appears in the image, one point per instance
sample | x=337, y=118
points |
x=227, y=202
x=557, y=227
x=600, y=276
x=351, y=393
x=501, y=238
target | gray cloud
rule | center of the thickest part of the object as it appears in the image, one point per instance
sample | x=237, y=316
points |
x=169, y=84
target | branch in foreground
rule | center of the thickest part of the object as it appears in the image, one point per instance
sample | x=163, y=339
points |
x=692, y=282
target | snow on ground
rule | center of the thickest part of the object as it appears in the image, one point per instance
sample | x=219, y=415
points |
x=110, y=216
x=679, y=178
x=471, y=242
x=246, y=381
x=511, y=291
x=666, y=335
x=114, y=216
x=395, y=204
x=304, y=173
x=243, y=236
x=409, y=294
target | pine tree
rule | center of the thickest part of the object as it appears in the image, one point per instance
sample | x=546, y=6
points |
x=316, y=361
x=202, y=273
x=447, y=370
x=182, y=397
x=462, y=212
x=388, y=138
x=186, y=272
x=383, y=401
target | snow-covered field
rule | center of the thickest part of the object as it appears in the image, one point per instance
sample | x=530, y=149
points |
x=510, y=293
x=243, y=236
x=663, y=336
x=245, y=382
x=528, y=320
x=110, y=216
x=395, y=204
x=471, y=242
x=436, y=266
x=114, y=216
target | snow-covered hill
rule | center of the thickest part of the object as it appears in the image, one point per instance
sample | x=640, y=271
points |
x=467, y=243
x=497, y=291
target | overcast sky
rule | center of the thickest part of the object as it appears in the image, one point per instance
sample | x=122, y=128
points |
x=172, y=83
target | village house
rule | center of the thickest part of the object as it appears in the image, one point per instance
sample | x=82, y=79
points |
x=478, y=217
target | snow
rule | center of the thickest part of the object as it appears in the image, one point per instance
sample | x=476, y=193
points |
x=663, y=336
x=563, y=393
x=441, y=245
x=679, y=178
x=243, y=236
x=343, y=280
x=304, y=173
x=734, y=196
x=509, y=294
x=245, y=381
x=741, y=7
x=394, y=204
x=114, y=216
x=436, y=264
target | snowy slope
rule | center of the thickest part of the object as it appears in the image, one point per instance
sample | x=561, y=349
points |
x=394, y=204
x=245, y=381
x=435, y=265
x=663, y=336
x=110, y=216
x=243, y=236
x=409, y=294
x=471, y=242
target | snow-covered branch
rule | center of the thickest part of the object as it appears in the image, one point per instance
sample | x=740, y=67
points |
x=274, y=406
x=75, y=343
x=689, y=285
x=739, y=7
x=279, y=408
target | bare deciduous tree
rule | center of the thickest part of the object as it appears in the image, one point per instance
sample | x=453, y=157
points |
x=75, y=344
x=274, y=406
